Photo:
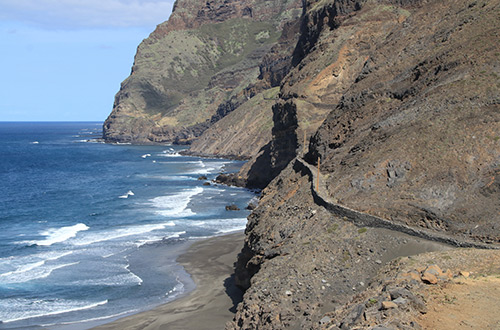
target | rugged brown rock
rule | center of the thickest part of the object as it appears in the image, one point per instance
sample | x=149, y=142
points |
x=415, y=138
x=402, y=101
x=408, y=102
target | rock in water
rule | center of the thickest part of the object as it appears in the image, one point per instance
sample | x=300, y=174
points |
x=232, y=208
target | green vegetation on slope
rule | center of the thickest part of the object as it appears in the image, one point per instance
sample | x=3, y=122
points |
x=186, y=61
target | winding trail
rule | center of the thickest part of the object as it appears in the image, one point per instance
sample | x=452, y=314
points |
x=364, y=219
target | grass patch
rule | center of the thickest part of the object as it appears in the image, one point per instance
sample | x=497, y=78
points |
x=449, y=299
x=346, y=256
x=271, y=93
x=397, y=10
x=362, y=230
x=494, y=138
x=332, y=228
x=236, y=38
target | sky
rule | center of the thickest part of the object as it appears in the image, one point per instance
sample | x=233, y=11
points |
x=64, y=60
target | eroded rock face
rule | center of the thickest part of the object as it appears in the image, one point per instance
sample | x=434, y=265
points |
x=300, y=262
x=310, y=89
x=190, y=67
x=408, y=113
x=412, y=140
x=246, y=130
x=400, y=101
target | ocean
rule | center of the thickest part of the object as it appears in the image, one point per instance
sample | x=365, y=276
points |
x=90, y=231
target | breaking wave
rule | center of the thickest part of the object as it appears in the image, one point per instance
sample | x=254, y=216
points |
x=175, y=205
x=58, y=235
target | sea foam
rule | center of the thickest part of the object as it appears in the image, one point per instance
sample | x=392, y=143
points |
x=128, y=193
x=106, y=235
x=175, y=205
x=92, y=319
x=32, y=272
x=167, y=177
x=222, y=226
x=170, y=152
x=159, y=238
x=12, y=309
x=15, y=263
x=208, y=167
x=58, y=235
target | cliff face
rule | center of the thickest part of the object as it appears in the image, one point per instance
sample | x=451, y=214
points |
x=406, y=94
x=413, y=138
x=400, y=102
x=246, y=131
x=190, y=67
x=323, y=66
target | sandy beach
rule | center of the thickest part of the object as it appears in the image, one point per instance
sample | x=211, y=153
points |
x=210, y=305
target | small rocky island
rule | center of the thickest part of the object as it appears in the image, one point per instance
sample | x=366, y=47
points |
x=372, y=128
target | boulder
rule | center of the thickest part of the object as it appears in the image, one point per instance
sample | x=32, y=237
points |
x=434, y=270
x=389, y=305
x=429, y=278
x=464, y=273
x=231, y=179
x=325, y=320
x=251, y=206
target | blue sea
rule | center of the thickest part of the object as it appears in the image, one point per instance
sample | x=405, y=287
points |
x=90, y=231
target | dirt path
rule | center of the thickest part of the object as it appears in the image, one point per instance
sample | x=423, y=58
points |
x=466, y=303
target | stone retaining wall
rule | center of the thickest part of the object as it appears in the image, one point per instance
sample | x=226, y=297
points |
x=363, y=219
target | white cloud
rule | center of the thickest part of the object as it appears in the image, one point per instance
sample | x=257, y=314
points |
x=64, y=14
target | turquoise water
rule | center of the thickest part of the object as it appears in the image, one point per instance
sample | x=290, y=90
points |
x=90, y=230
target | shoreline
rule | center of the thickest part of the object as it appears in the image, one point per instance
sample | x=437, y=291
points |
x=210, y=305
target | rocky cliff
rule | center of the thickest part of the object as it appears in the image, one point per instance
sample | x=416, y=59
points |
x=398, y=102
x=196, y=68
x=407, y=97
x=395, y=101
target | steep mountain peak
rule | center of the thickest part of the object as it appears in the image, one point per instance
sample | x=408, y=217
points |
x=205, y=55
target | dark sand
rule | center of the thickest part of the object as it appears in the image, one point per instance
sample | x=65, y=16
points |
x=210, y=305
